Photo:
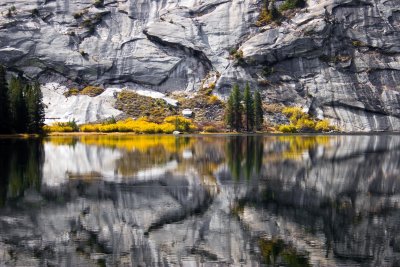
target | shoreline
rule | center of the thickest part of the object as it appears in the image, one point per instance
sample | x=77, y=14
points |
x=78, y=134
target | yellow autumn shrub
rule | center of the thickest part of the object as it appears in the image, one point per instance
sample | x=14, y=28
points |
x=324, y=126
x=57, y=128
x=89, y=128
x=303, y=122
x=290, y=128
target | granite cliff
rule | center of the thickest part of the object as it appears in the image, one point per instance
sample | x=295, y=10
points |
x=338, y=59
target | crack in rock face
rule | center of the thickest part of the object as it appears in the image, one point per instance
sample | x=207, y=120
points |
x=339, y=59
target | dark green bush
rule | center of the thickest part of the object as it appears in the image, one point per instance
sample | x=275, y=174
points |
x=292, y=4
x=98, y=3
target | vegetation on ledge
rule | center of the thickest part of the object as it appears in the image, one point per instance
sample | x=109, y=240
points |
x=90, y=90
x=244, y=112
x=270, y=13
x=136, y=106
x=303, y=122
x=141, y=125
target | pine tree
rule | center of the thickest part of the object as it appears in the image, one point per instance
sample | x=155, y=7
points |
x=248, y=108
x=258, y=111
x=237, y=108
x=17, y=105
x=5, y=124
x=229, y=112
x=35, y=109
x=234, y=109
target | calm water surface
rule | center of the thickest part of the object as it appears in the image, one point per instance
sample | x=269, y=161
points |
x=200, y=201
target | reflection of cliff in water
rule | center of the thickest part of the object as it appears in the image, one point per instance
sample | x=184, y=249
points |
x=342, y=197
x=21, y=163
x=239, y=200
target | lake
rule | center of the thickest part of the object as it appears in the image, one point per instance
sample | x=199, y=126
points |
x=208, y=200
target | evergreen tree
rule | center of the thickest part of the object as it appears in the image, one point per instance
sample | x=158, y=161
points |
x=237, y=108
x=17, y=105
x=4, y=103
x=258, y=111
x=248, y=108
x=35, y=109
x=234, y=109
x=229, y=112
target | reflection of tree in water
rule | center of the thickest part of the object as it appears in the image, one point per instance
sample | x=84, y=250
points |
x=21, y=163
x=244, y=155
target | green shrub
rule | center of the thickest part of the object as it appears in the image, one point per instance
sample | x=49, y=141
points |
x=98, y=3
x=83, y=53
x=69, y=126
x=181, y=124
x=267, y=71
x=292, y=4
x=357, y=43
x=35, y=12
x=267, y=16
x=87, y=23
x=111, y=120
x=77, y=15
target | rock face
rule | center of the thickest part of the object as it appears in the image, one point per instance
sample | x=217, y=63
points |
x=337, y=58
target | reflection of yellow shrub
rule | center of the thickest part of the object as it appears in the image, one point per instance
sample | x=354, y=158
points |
x=141, y=143
x=300, y=144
